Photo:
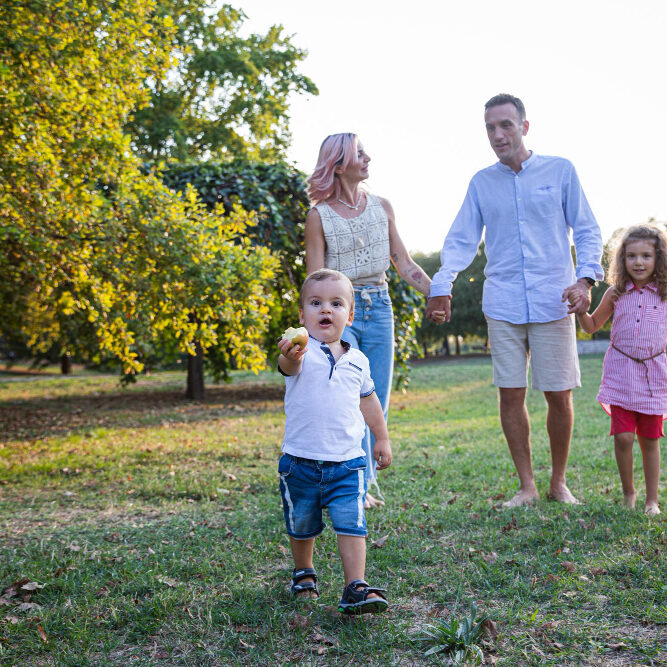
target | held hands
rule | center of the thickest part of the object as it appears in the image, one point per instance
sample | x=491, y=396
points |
x=578, y=297
x=382, y=453
x=439, y=309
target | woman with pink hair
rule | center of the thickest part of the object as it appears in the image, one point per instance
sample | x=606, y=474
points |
x=353, y=231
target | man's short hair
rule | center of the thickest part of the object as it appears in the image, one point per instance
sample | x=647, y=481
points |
x=328, y=274
x=505, y=98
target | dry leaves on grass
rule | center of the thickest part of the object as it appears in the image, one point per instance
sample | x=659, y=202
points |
x=512, y=525
x=490, y=558
x=567, y=565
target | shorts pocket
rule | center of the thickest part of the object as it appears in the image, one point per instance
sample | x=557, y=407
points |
x=355, y=464
x=285, y=465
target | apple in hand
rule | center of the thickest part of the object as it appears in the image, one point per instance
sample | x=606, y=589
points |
x=297, y=336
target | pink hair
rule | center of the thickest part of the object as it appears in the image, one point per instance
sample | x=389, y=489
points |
x=336, y=150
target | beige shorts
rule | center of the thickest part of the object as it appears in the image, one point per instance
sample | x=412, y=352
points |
x=550, y=346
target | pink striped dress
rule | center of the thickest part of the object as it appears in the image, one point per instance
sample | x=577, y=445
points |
x=639, y=329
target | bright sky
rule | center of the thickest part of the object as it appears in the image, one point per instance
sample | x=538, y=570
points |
x=411, y=79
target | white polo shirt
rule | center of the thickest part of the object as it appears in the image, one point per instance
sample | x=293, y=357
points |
x=323, y=419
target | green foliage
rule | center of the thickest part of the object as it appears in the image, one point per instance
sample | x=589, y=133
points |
x=108, y=268
x=408, y=305
x=225, y=94
x=276, y=193
x=457, y=638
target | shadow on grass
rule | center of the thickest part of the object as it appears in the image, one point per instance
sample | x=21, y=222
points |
x=46, y=417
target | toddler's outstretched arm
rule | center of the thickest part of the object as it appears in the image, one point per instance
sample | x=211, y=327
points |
x=591, y=323
x=372, y=412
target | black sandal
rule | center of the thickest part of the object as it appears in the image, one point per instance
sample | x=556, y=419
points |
x=356, y=601
x=298, y=575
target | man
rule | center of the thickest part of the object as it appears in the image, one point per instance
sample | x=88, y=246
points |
x=527, y=204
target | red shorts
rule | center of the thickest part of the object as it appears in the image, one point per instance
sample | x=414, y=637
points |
x=628, y=421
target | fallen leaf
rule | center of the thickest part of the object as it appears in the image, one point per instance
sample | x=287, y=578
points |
x=380, y=542
x=586, y=526
x=299, y=621
x=102, y=593
x=283, y=550
x=167, y=580
x=27, y=606
x=322, y=650
x=426, y=506
x=229, y=476
x=512, y=525
x=242, y=628
x=42, y=634
x=452, y=500
x=597, y=571
x=31, y=586
x=10, y=619
x=490, y=558
x=150, y=552
x=553, y=577
x=498, y=496
x=617, y=647
x=490, y=627
x=568, y=565
x=475, y=515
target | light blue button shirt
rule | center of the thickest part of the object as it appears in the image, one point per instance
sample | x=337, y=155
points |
x=528, y=220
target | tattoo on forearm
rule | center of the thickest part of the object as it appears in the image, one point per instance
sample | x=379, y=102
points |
x=417, y=276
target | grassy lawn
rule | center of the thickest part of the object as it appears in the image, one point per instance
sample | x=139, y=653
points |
x=151, y=532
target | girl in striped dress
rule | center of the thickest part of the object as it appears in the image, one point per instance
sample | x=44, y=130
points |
x=634, y=376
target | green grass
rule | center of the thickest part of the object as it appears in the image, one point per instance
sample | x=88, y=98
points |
x=153, y=526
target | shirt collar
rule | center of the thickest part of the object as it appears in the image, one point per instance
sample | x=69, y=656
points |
x=526, y=163
x=344, y=343
x=630, y=286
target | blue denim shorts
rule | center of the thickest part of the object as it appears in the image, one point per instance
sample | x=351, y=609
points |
x=307, y=486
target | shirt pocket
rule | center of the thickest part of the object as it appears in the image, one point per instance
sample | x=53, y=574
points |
x=654, y=313
x=546, y=202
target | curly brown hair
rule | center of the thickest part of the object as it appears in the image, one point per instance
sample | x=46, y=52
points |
x=618, y=274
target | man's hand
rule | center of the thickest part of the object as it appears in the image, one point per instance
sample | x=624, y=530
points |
x=439, y=309
x=578, y=296
x=382, y=453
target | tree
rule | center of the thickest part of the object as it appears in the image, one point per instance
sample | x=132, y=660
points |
x=92, y=249
x=226, y=95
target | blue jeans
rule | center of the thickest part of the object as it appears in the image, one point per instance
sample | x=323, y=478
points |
x=372, y=332
x=307, y=486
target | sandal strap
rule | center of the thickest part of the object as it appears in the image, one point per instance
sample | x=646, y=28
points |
x=302, y=573
x=351, y=594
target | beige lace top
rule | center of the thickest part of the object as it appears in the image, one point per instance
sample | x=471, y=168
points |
x=357, y=247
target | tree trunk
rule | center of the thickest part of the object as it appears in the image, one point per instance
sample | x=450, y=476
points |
x=66, y=364
x=458, y=345
x=195, y=384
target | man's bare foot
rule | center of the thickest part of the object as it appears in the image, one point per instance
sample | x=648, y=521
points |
x=629, y=500
x=652, y=509
x=563, y=495
x=522, y=498
x=372, y=501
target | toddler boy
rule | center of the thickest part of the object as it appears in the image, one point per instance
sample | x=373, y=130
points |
x=329, y=395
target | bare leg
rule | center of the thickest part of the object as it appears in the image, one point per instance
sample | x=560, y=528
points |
x=623, y=449
x=516, y=427
x=560, y=420
x=651, y=459
x=352, y=551
x=302, y=553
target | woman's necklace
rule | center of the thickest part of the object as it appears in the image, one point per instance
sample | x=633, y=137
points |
x=354, y=208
